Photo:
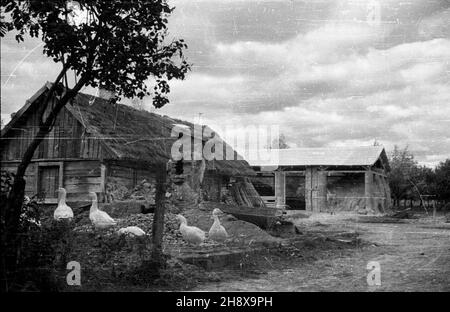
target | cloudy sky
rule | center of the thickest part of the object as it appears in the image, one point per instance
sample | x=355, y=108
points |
x=328, y=72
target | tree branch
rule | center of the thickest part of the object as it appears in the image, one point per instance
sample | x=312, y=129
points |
x=52, y=90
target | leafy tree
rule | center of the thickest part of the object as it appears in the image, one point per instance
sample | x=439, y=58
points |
x=280, y=142
x=403, y=170
x=442, y=172
x=409, y=180
x=117, y=45
x=425, y=180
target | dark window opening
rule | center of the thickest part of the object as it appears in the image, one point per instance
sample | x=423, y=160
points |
x=179, y=167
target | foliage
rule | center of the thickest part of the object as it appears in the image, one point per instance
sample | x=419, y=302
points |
x=402, y=165
x=42, y=249
x=407, y=179
x=116, y=44
x=280, y=142
x=442, y=176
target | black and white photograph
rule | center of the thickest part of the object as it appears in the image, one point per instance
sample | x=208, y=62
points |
x=225, y=151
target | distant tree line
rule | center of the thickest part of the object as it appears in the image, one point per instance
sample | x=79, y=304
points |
x=410, y=181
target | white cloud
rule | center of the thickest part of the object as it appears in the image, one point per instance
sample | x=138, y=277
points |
x=333, y=80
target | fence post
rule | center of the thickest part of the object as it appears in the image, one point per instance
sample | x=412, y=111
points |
x=158, y=218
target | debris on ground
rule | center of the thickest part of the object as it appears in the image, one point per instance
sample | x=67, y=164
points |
x=379, y=219
x=402, y=214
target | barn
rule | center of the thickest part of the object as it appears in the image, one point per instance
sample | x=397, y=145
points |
x=325, y=179
x=110, y=149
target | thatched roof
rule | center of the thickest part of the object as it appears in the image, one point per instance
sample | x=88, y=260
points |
x=130, y=134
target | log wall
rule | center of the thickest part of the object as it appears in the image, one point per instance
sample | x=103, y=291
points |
x=78, y=178
x=67, y=140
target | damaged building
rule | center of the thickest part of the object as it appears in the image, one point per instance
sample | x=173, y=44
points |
x=111, y=149
x=325, y=179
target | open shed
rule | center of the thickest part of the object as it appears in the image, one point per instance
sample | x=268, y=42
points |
x=325, y=179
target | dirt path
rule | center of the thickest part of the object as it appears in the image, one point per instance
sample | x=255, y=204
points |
x=413, y=256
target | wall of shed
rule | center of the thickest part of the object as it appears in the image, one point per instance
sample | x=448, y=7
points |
x=356, y=191
x=79, y=178
x=128, y=181
x=315, y=189
x=381, y=194
x=125, y=181
x=345, y=192
x=325, y=191
x=65, y=141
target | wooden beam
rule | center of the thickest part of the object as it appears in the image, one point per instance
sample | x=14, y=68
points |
x=295, y=173
x=34, y=160
x=103, y=169
x=379, y=172
x=321, y=190
x=308, y=189
x=368, y=186
x=280, y=189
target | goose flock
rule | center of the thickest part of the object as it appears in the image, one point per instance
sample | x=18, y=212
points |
x=101, y=220
x=196, y=236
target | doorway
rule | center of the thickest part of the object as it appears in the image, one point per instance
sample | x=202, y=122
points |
x=49, y=179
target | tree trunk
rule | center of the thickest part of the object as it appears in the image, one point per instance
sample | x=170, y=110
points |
x=158, y=219
x=13, y=205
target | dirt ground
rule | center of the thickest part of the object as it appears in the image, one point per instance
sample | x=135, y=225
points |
x=414, y=255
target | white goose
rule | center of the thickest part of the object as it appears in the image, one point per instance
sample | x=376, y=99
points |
x=62, y=212
x=217, y=232
x=131, y=231
x=99, y=219
x=191, y=234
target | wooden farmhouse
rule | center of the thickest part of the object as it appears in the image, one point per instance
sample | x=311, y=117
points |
x=105, y=148
x=325, y=179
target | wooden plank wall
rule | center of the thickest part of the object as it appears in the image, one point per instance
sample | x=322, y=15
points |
x=280, y=189
x=120, y=175
x=308, y=188
x=80, y=178
x=123, y=177
x=66, y=140
x=127, y=175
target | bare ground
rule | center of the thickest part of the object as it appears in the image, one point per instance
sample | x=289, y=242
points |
x=414, y=255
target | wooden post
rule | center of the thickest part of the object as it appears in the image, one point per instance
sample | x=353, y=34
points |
x=280, y=189
x=388, y=194
x=158, y=219
x=321, y=190
x=103, y=197
x=368, y=181
x=314, y=189
x=308, y=189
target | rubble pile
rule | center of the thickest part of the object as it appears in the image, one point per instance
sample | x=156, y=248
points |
x=144, y=191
